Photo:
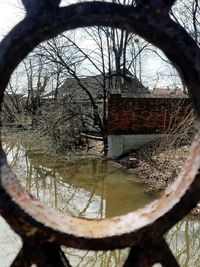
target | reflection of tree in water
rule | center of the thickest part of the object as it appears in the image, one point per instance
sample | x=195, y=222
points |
x=81, y=189
x=14, y=152
x=184, y=242
x=60, y=187
x=100, y=258
x=50, y=184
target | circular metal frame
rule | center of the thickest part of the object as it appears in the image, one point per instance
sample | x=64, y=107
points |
x=29, y=217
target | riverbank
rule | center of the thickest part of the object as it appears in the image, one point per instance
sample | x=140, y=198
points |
x=158, y=165
x=36, y=143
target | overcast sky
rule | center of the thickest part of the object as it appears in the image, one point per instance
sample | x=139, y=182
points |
x=11, y=12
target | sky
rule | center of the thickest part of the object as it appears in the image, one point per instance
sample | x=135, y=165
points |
x=11, y=12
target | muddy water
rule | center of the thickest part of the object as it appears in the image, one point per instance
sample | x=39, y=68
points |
x=87, y=188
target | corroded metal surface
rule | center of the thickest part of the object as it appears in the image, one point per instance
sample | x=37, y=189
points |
x=142, y=230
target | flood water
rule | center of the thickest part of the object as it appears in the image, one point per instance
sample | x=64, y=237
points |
x=88, y=188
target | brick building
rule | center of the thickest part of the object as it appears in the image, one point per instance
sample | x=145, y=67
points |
x=134, y=120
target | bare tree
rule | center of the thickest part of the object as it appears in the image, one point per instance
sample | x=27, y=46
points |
x=187, y=14
x=37, y=79
x=13, y=105
x=107, y=64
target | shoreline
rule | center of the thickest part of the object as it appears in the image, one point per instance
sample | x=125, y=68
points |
x=157, y=166
x=40, y=144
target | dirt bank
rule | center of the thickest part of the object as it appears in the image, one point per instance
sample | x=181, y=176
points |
x=158, y=165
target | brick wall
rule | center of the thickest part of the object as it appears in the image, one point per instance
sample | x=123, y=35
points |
x=146, y=114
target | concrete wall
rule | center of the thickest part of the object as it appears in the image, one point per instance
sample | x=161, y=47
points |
x=121, y=144
x=135, y=120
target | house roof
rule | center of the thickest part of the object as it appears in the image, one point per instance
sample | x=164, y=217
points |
x=168, y=91
x=94, y=84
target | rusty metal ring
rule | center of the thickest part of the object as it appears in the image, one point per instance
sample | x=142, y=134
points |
x=31, y=219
